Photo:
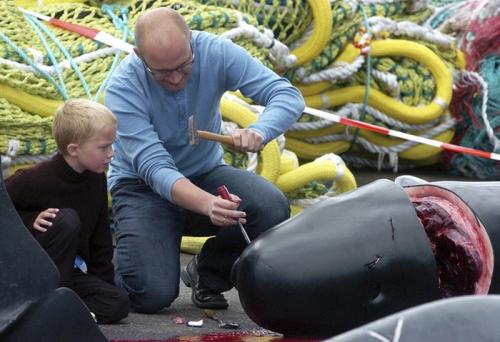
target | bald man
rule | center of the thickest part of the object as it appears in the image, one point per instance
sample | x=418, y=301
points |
x=162, y=186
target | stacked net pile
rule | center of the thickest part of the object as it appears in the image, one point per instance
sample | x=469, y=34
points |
x=395, y=64
x=476, y=101
x=368, y=60
x=41, y=66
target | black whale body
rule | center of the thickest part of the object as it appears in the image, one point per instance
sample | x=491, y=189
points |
x=346, y=261
x=351, y=259
x=457, y=319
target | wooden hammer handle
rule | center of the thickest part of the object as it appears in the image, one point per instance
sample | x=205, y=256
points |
x=225, y=139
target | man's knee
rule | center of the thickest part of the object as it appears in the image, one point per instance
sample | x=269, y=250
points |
x=273, y=209
x=148, y=296
x=153, y=300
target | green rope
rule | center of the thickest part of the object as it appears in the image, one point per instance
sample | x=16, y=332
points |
x=65, y=54
x=120, y=23
x=50, y=54
x=367, y=83
x=30, y=62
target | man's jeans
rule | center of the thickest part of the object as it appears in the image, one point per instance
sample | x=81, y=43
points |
x=149, y=230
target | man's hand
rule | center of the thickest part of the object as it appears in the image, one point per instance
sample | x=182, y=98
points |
x=220, y=211
x=42, y=220
x=247, y=140
x=223, y=212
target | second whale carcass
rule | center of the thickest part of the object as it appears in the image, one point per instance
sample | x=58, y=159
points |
x=363, y=255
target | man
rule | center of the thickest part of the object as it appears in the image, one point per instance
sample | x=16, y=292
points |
x=160, y=184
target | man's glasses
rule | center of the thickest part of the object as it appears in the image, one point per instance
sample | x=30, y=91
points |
x=159, y=74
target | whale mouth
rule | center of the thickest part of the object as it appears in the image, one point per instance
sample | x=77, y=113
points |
x=459, y=241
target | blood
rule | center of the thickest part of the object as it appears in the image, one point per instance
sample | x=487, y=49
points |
x=228, y=337
x=459, y=264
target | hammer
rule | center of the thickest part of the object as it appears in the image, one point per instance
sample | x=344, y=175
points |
x=195, y=134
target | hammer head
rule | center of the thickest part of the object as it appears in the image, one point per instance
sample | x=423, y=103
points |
x=193, y=136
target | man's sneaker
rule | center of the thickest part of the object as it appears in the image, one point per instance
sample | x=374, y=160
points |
x=201, y=296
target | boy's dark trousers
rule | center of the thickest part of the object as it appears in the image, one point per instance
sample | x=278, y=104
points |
x=108, y=302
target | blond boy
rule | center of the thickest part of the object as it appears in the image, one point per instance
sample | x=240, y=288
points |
x=63, y=202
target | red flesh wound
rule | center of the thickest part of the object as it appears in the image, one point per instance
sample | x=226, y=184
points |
x=459, y=242
x=459, y=264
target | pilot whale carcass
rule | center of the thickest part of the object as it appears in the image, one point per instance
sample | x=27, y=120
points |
x=361, y=256
x=457, y=319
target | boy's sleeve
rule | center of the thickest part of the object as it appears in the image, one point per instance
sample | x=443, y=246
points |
x=18, y=187
x=101, y=245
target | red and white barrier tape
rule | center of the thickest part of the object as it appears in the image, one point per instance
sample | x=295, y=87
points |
x=88, y=32
x=401, y=135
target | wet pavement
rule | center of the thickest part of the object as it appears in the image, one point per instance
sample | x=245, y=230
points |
x=162, y=325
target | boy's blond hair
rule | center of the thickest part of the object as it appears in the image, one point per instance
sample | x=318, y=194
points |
x=78, y=120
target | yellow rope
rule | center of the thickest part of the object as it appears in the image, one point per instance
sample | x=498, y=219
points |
x=270, y=155
x=320, y=36
x=316, y=171
x=386, y=104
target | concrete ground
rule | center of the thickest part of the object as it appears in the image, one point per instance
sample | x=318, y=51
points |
x=161, y=326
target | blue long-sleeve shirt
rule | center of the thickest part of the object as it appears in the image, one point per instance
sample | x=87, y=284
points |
x=152, y=131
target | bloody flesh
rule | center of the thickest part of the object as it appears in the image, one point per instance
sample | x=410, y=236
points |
x=459, y=242
x=459, y=264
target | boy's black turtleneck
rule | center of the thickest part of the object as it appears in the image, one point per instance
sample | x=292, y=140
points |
x=55, y=184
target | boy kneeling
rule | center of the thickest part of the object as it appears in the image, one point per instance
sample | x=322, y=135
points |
x=63, y=202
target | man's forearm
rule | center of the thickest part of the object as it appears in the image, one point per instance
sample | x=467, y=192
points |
x=191, y=197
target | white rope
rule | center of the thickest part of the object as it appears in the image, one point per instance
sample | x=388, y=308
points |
x=486, y=9
x=309, y=126
x=27, y=159
x=357, y=161
x=11, y=160
x=441, y=102
x=339, y=173
x=484, y=107
x=380, y=26
x=278, y=52
x=390, y=80
x=65, y=64
x=13, y=147
x=351, y=110
x=325, y=101
x=36, y=55
x=336, y=72
x=371, y=147
x=337, y=161
x=308, y=202
x=451, y=7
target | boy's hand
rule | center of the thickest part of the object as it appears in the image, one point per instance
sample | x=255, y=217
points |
x=42, y=219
